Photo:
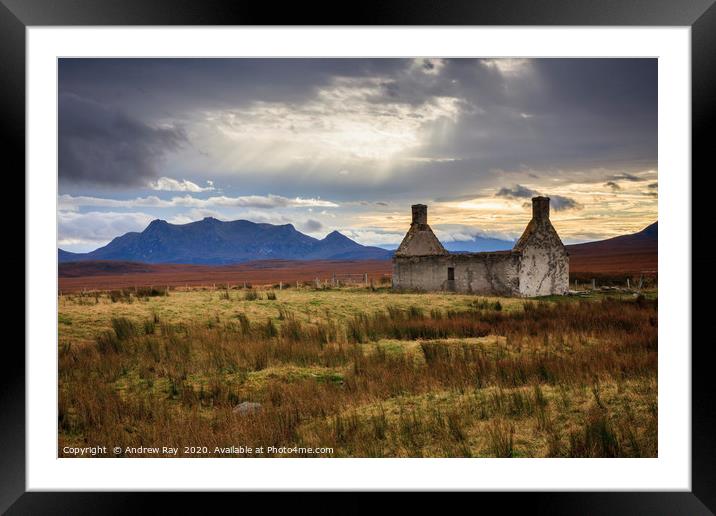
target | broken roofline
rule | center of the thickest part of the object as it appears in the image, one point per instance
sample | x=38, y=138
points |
x=421, y=241
x=460, y=257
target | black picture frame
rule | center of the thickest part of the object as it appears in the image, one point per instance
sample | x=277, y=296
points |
x=700, y=15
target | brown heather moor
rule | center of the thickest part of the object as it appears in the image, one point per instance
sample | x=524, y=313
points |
x=366, y=372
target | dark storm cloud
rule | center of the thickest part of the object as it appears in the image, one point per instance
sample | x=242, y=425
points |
x=103, y=146
x=311, y=226
x=571, y=112
x=557, y=202
x=516, y=192
x=628, y=177
x=550, y=116
x=171, y=87
x=558, y=117
x=560, y=203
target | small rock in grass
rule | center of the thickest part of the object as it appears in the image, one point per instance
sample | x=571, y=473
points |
x=247, y=407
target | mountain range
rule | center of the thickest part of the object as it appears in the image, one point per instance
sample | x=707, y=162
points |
x=211, y=241
x=214, y=242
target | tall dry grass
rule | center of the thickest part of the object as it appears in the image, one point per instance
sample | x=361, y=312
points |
x=576, y=378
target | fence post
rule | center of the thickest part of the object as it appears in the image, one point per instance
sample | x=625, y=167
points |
x=628, y=287
x=594, y=284
x=280, y=285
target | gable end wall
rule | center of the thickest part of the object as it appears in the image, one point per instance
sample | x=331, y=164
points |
x=544, y=267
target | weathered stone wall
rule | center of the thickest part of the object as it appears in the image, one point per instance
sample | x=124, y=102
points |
x=544, y=267
x=476, y=273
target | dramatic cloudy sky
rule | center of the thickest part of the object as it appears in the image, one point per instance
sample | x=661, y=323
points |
x=350, y=144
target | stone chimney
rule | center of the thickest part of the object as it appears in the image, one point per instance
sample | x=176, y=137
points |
x=540, y=208
x=420, y=239
x=420, y=213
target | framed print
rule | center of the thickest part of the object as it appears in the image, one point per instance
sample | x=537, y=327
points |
x=414, y=252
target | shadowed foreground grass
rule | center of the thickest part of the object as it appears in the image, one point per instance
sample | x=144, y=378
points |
x=367, y=374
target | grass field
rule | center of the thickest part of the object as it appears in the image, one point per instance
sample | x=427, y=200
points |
x=364, y=372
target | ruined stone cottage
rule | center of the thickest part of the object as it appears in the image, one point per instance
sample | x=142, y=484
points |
x=538, y=265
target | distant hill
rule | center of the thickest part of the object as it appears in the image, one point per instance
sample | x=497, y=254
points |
x=478, y=244
x=66, y=256
x=213, y=242
x=637, y=252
